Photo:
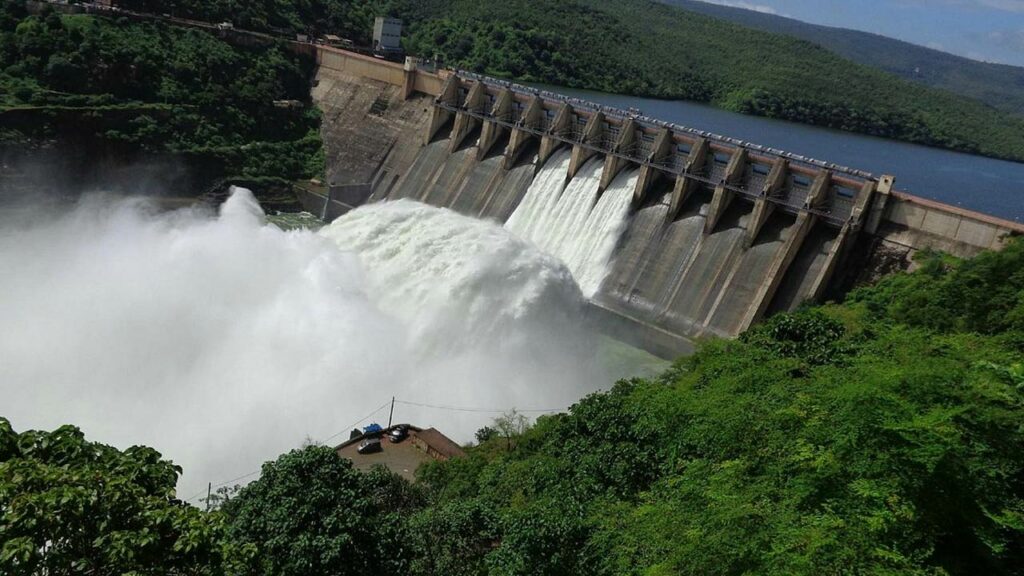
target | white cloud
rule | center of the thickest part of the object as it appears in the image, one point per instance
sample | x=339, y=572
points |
x=1002, y=5
x=1012, y=39
x=763, y=8
x=1005, y=5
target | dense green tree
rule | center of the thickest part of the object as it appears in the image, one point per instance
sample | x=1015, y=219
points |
x=347, y=18
x=311, y=512
x=452, y=538
x=70, y=506
x=808, y=335
x=484, y=434
x=149, y=88
x=984, y=294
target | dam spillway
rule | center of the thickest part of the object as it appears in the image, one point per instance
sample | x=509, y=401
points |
x=671, y=232
x=574, y=222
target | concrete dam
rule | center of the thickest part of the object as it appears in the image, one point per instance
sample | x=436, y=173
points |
x=671, y=232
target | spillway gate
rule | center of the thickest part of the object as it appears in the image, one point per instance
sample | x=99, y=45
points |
x=835, y=195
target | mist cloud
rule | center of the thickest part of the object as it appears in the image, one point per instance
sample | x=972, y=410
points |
x=222, y=341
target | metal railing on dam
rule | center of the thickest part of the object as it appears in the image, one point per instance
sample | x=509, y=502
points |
x=833, y=194
x=646, y=120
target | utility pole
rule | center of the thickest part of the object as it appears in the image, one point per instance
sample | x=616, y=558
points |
x=209, y=488
x=392, y=413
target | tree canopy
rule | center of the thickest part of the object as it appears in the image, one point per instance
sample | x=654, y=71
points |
x=311, y=512
x=130, y=88
x=70, y=506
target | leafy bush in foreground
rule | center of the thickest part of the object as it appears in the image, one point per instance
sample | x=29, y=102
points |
x=70, y=506
x=311, y=512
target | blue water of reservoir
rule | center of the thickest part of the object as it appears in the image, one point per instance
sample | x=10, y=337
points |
x=986, y=185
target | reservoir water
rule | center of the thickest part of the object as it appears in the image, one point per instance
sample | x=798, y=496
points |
x=986, y=185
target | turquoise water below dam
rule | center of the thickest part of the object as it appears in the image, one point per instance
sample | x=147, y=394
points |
x=978, y=183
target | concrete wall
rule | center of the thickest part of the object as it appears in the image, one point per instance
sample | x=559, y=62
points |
x=371, y=131
x=637, y=333
x=407, y=76
x=360, y=65
x=430, y=84
x=917, y=223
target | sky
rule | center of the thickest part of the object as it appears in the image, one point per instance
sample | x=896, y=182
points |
x=988, y=30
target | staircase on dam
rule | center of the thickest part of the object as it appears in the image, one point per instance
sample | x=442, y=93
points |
x=715, y=234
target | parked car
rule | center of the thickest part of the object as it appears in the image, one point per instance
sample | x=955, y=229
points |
x=369, y=446
x=398, y=433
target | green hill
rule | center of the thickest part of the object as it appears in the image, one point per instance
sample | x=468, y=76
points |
x=998, y=85
x=100, y=87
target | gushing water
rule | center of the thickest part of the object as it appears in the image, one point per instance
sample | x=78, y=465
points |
x=538, y=205
x=575, y=224
x=223, y=341
x=458, y=281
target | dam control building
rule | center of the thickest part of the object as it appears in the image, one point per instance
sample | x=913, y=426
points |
x=387, y=35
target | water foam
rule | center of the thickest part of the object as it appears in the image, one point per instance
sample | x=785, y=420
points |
x=455, y=280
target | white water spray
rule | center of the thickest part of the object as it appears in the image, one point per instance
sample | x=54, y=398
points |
x=223, y=341
x=538, y=205
x=576, y=224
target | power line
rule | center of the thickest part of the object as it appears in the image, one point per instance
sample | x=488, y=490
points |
x=385, y=405
x=324, y=441
x=225, y=483
x=487, y=410
x=352, y=425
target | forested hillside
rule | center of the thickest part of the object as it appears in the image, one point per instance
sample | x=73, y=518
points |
x=998, y=85
x=352, y=19
x=114, y=85
x=877, y=437
x=880, y=436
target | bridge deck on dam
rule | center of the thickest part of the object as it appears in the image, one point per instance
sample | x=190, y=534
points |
x=719, y=232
